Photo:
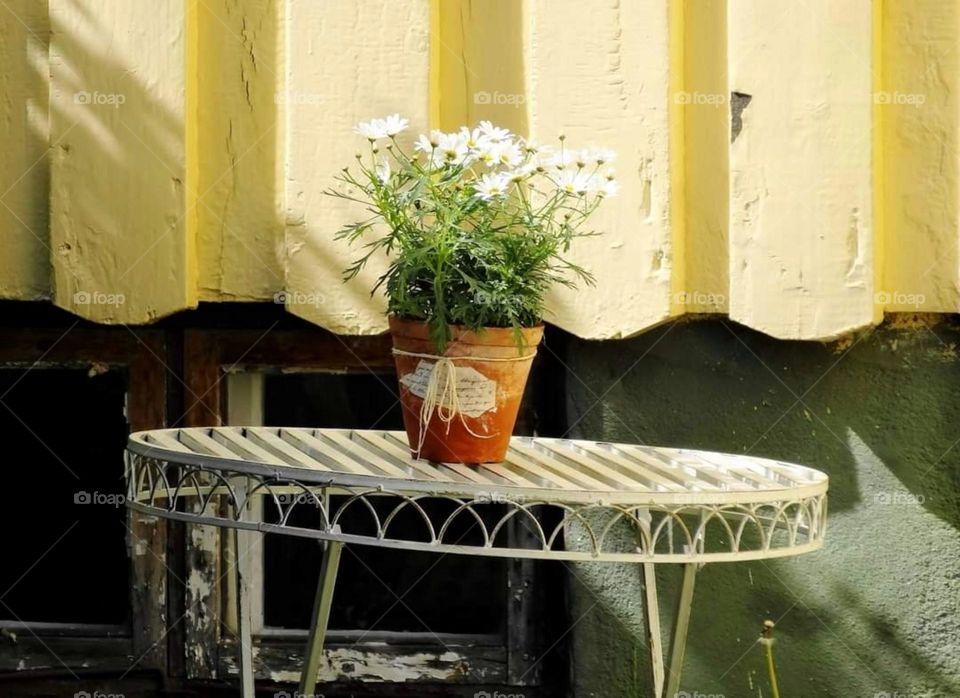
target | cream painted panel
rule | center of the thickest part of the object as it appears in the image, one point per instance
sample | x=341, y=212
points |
x=801, y=230
x=24, y=138
x=120, y=251
x=601, y=75
x=239, y=214
x=346, y=61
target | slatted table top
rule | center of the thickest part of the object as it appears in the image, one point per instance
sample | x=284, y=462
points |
x=560, y=470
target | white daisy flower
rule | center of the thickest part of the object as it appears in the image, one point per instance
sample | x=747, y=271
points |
x=395, y=124
x=452, y=148
x=598, y=156
x=426, y=143
x=562, y=160
x=520, y=173
x=375, y=129
x=529, y=145
x=609, y=188
x=473, y=140
x=492, y=185
x=372, y=130
x=576, y=182
x=496, y=153
x=494, y=133
x=429, y=146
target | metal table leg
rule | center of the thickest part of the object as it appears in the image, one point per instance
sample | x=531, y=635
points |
x=243, y=542
x=684, y=604
x=666, y=679
x=321, y=615
x=651, y=611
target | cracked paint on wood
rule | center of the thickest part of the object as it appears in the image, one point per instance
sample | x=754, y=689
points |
x=240, y=81
x=801, y=188
x=603, y=78
x=802, y=181
x=356, y=59
x=120, y=251
x=24, y=170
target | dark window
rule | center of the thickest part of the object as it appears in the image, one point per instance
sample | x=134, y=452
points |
x=63, y=517
x=452, y=593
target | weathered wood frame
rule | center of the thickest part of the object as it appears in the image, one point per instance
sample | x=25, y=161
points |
x=86, y=647
x=209, y=355
x=175, y=604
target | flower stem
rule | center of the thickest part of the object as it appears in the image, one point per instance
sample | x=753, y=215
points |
x=766, y=639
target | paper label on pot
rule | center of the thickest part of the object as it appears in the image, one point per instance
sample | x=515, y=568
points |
x=474, y=392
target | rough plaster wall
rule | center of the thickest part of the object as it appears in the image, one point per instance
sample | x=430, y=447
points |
x=876, y=610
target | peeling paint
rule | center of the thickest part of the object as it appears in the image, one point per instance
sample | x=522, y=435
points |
x=352, y=664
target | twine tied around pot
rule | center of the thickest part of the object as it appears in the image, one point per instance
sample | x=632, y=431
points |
x=445, y=400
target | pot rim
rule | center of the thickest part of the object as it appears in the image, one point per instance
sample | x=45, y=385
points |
x=418, y=330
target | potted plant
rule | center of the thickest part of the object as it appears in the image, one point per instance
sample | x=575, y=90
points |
x=476, y=225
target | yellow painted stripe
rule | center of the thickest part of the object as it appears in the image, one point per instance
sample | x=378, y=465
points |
x=676, y=108
x=704, y=168
x=192, y=141
x=879, y=179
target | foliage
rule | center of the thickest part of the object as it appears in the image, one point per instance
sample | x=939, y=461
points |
x=476, y=224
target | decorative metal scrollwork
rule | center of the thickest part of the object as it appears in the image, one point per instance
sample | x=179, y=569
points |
x=477, y=524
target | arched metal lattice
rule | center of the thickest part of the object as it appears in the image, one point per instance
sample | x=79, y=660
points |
x=669, y=505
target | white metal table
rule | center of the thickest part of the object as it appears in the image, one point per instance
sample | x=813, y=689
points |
x=582, y=500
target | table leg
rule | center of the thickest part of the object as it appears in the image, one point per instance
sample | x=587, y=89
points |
x=321, y=614
x=684, y=604
x=651, y=612
x=243, y=542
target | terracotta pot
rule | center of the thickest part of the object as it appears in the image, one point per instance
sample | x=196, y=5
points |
x=490, y=379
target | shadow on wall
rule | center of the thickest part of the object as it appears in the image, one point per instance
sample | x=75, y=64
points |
x=873, y=612
x=117, y=160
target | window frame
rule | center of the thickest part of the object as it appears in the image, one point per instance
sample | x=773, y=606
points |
x=210, y=356
x=80, y=647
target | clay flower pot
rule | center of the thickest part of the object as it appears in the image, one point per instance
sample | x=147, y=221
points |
x=461, y=406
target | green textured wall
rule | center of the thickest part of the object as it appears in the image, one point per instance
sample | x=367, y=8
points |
x=877, y=612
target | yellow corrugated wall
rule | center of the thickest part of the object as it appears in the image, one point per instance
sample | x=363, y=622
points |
x=793, y=165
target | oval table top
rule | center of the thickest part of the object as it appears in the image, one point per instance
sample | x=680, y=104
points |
x=684, y=504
